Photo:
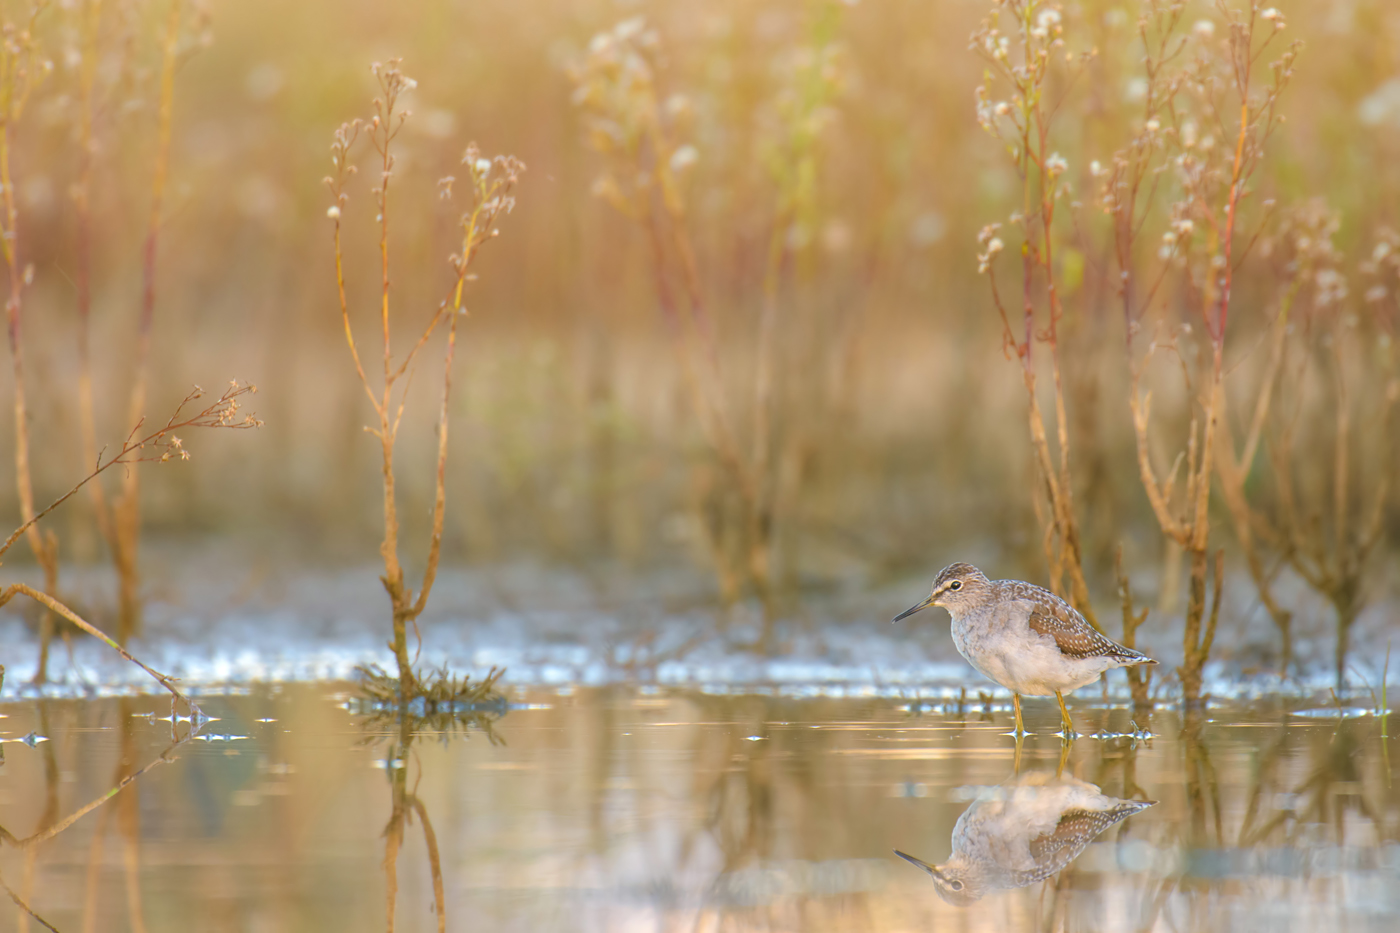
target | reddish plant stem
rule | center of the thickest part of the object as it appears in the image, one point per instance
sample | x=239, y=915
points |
x=127, y=510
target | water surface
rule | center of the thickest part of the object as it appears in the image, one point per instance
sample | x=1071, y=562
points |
x=652, y=809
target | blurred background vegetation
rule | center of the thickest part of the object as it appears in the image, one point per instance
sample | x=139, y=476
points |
x=903, y=424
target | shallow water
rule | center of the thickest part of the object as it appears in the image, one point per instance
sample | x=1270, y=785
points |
x=652, y=809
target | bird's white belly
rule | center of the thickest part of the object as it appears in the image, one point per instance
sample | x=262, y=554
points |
x=1026, y=662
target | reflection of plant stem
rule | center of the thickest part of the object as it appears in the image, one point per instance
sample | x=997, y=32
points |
x=47, y=817
x=49, y=827
x=163, y=758
x=128, y=807
x=1385, y=714
x=434, y=862
x=29, y=911
x=94, y=872
x=1265, y=777
x=404, y=805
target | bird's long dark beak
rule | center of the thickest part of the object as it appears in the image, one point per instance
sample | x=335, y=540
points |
x=913, y=609
x=919, y=862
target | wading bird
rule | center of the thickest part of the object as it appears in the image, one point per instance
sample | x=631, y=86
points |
x=1023, y=637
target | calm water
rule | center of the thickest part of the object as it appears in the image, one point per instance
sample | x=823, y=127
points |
x=631, y=810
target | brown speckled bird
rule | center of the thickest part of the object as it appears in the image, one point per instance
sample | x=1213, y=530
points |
x=1024, y=637
x=1023, y=832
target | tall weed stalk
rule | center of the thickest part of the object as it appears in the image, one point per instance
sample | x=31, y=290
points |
x=1196, y=144
x=642, y=132
x=491, y=183
x=1023, y=46
x=22, y=67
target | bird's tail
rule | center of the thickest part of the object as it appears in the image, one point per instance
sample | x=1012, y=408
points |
x=1126, y=808
x=1129, y=656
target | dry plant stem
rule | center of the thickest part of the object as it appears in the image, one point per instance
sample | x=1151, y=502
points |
x=1200, y=628
x=1190, y=532
x=618, y=88
x=491, y=197
x=1187, y=522
x=1039, y=171
x=760, y=517
x=691, y=357
x=389, y=549
x=1334, y=568
x=17, y=62
x=696, y=335
x=795, y=167
x=82, y=208
x=53, y=605
x=127, y=511
x=1233, y=469
x=1139, y=680
x=751, y=471
x=1059, y=481
x=160, y=445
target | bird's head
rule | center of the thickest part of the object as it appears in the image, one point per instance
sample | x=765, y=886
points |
x=954, y=885
x=956, y=587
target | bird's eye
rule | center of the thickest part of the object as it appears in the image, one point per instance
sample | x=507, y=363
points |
x=956, y=885
x=955, y=585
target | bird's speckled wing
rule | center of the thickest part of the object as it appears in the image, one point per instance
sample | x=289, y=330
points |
x=1075, y=637
x=1076, y=829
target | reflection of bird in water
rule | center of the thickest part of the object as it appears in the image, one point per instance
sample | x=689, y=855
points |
x=1022, y=832
x=1023, y=637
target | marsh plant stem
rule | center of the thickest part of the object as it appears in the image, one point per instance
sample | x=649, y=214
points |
x=59, y=608
x=491, y=183
x=126, y=521
x=17, y=65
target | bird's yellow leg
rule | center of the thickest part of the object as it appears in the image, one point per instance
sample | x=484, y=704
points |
x=1064, y=714
x=1020, y=726
x=1064, y=757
